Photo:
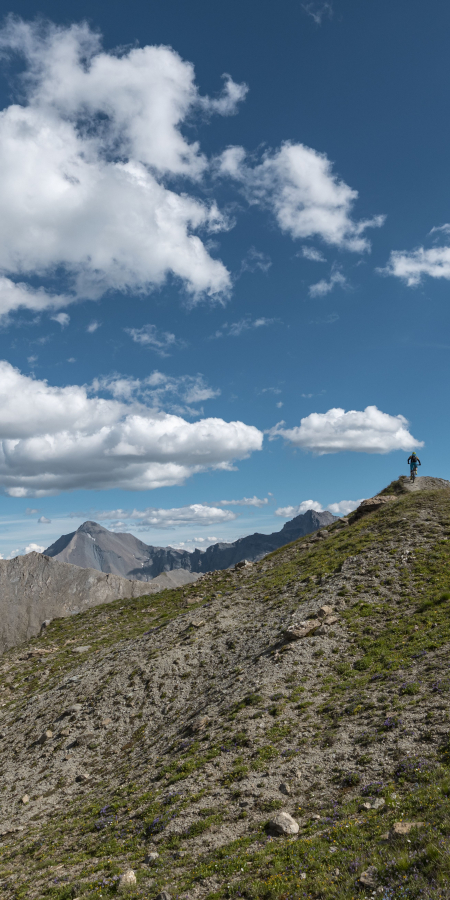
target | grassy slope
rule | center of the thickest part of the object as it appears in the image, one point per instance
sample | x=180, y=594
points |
x=378, y=696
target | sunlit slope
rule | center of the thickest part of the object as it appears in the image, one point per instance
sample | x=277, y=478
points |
x=200, y=713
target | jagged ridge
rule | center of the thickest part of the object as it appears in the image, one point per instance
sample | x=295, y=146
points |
x=93, y=546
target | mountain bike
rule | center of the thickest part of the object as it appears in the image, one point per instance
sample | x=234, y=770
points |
x=413, y=474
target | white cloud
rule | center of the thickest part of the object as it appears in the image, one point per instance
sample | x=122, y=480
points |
x=367, y=431
x=62, y=318
x=22, y=551
x=30, y=511
x=318, y=10
x=298, y=184
x=93, y=327
x=412, y=266
x=235, y=329
x=44, y=521
x=227, y=103
x=17, y=295
x=161, y=341
x=59, y=438
x=444, y=229
x=288, y=512
x=324, y=287
x=196, y=514
x=87, y=155
x=246, y=501
x=344, y=507
x=313, y=254
x=176, y=394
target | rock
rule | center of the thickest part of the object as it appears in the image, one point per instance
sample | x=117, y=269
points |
x=81, y=649
x=198, y=624
x=369, y=877
x=285, y=788
x=304, y=629
x=199, y=724
x=243, y=564
x=325, y=611
x=83, y=776
x=25, y=799
x=283, y=823
x=36, y=589
x=127, y=880
x=151, y=858
x=45, y=624
x=82, y=740
x=401, y=828
x=46, y=736
x=374, y=804
x=163, y=896
x=372, y=505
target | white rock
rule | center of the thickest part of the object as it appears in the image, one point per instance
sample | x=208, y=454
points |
x=127, y=880
x=283, y=823
x=151, y=858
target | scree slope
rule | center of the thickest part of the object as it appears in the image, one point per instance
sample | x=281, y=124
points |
x=166, y=735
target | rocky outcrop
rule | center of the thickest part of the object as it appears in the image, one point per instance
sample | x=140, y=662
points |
x=35, y=589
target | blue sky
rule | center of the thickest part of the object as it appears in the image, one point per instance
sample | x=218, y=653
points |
x=224, y=262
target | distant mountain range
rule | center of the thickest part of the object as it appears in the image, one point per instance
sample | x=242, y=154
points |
x=94, y=547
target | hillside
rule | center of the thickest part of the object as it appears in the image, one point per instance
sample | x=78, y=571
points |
x=93, y=546
x=196, y=716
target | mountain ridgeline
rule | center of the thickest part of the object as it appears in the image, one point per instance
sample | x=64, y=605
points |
x=94, y=547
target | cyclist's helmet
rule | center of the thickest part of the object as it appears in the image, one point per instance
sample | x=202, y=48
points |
x=414, y=453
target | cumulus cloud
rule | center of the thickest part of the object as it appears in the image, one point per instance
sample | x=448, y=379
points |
x=246, y=501
x=95, y=171
x=44, y=521
x=18, y=295
x=307, y=198
x=22, y=551
x=160, y=341
x=196, y=514
x=93, y=327
x=412, y=266
x=235, y=329
x=342, y=508
x=56, y=439
x=324, y=287
x=288, y=512
x=367, y=431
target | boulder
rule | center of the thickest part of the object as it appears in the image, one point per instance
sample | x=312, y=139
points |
x=283, y=823
x=304, y=629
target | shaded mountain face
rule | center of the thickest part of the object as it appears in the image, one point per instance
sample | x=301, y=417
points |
x=94, y=547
